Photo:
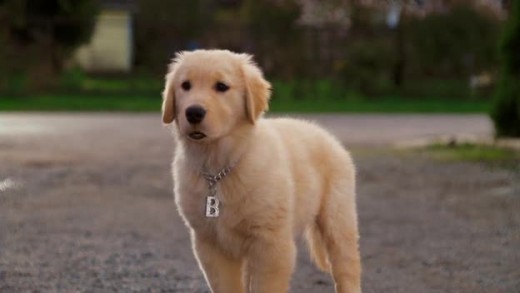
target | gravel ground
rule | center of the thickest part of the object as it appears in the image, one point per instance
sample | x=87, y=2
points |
x=86, y=205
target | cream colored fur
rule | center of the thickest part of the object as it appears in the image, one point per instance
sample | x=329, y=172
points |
x=292, y=177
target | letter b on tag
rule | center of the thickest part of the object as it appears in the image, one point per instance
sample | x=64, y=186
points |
x=212, y=204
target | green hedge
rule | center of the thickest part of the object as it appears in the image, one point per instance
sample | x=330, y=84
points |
x=506, y=110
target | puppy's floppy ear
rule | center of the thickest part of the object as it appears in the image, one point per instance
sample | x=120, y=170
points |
x=258, y=90
x=168, y=105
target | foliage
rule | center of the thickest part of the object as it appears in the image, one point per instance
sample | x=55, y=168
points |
x=263, y=16
x=456, y=44
x=37, y=36
x=164, y=27
x=72, y=79
x=367, y=66
x=506, y=110
x=438, y=87
x=72, y=21
x=259, y=27
x=436, y=54
x=64, y=24
x=270, y=24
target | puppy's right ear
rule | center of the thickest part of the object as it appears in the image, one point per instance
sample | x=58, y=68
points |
x=168, y=105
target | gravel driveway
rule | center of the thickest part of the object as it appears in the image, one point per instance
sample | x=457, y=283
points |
x=86, y=205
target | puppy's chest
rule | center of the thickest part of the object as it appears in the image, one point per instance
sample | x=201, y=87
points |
x=229, y=230
x=193, y=204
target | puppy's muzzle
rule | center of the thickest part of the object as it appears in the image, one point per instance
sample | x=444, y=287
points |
x=195, y=114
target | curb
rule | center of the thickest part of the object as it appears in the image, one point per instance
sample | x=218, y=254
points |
x=510, y=143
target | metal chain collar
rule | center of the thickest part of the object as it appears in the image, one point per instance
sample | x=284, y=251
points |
x=212, y=202
x=214, y=179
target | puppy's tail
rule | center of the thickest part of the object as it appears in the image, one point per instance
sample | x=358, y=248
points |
x=317, y=248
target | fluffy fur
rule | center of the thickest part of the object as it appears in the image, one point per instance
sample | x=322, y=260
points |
x=292, y=178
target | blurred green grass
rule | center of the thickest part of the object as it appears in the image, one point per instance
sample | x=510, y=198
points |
x=474, y=152
x=79, y=92
x=490, y=155
x=151, y=103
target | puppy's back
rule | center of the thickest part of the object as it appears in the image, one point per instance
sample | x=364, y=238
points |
x=306, y=136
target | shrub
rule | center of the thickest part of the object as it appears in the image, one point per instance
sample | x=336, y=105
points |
x=506, y=110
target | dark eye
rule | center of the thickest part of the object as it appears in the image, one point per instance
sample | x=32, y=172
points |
x=221, y=87
x=186, y=85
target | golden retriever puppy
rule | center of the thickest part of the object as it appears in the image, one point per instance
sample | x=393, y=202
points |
x=246, y=186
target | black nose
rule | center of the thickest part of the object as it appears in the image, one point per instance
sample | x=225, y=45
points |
x=195, y=114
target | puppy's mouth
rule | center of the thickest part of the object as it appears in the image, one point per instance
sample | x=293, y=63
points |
x=196, y=135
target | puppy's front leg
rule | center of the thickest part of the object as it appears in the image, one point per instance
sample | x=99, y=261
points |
x=270, y=265
x=222, y=273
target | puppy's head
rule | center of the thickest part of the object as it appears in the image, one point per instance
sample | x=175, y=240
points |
x=209, y=93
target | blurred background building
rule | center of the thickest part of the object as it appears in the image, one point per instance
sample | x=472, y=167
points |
x=111, y=45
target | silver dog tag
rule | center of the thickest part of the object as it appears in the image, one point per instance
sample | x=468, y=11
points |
x=212, y=204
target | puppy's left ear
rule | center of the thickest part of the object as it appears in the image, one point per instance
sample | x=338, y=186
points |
x=258, y=90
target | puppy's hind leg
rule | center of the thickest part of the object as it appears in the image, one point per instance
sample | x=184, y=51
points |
x=337, y=223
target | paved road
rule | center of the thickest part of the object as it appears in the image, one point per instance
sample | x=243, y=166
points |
x=352, y=129
x=86, y=205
